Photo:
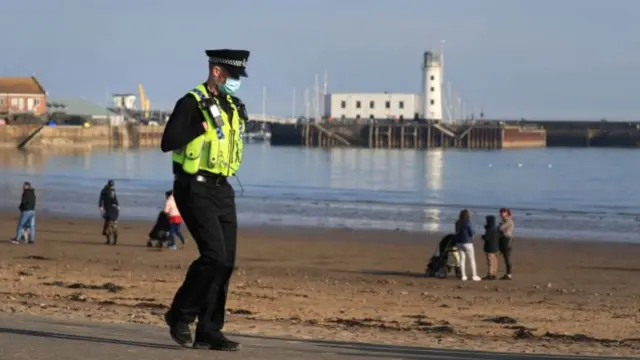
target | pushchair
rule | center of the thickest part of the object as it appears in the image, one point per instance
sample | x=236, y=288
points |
x=445, y=259
x=159, y=234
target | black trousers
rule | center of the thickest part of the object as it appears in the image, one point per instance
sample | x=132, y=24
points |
x=505, y=249
x=208, y=209
x=506, y=254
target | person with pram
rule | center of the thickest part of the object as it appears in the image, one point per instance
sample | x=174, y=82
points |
x=167, y=225
x=445, y=259
x=464, y=243
x=175, y=220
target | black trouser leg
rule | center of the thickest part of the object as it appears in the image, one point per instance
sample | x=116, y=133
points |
x=230, y=230
x=105, y=231
x=507, y=260
x=203, y=206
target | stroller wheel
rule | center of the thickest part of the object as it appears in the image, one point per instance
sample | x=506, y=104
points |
x=159, y=244
x=149, y=244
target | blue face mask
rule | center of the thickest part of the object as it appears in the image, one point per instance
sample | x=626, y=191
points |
x=230, y=86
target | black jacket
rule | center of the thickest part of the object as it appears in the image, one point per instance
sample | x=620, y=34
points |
x=109, y=202
x=491, y=236
x=28, y=201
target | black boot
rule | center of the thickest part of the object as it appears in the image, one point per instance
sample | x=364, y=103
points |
x=179, y=331
x=216, y=341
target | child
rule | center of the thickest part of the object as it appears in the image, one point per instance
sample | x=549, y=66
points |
x=491, y=239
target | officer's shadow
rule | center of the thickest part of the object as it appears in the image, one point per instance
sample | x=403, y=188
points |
x=61, y=336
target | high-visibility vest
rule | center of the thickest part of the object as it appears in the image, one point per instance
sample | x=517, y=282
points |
x=219, y=149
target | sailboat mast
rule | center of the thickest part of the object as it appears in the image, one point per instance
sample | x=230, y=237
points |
x=264, y=103
x=293, y=104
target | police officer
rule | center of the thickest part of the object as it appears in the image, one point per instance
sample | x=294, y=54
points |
x=204, y=133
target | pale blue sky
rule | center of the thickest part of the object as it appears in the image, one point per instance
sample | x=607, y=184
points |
x=515, y=58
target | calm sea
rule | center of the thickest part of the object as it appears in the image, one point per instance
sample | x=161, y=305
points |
x=576, y=193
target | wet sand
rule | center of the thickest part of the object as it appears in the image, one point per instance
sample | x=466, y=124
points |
x=566, y=297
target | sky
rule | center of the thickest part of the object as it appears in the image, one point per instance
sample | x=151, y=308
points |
x=543, y=59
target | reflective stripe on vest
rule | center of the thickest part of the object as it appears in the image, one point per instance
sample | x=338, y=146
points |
x=219, y=149
x=202, y=97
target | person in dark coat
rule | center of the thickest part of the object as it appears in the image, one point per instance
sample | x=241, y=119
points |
x=491, y=239
x=110, y=210
x=506, y=241
x=27, y=218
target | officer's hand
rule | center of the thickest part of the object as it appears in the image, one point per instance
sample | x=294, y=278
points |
x=205, y=125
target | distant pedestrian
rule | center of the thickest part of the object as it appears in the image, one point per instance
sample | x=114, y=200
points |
x=464, y=243
x=27, y=218
x=175, y=220
x=491, y=239
x=506, y=239
x=110, y=211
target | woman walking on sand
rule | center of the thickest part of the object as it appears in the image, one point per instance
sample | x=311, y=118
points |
x=175, y=220
x=506, y=239
x=464, y=243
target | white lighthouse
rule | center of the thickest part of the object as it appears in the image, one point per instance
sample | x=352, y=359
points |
x=432, y=86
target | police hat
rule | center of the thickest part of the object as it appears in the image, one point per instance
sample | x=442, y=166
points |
x=234, y=61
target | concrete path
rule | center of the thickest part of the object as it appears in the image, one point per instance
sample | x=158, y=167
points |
x=34, y=338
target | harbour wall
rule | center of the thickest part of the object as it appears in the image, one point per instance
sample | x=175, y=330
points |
x=622, y=134
x=61, y=136
x=409, y=135
x=488, y=134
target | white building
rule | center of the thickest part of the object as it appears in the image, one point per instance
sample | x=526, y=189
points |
x=427, y=105
x=372, y=106
x=124, y=101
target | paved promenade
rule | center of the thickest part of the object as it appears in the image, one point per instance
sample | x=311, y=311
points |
x=33, y=338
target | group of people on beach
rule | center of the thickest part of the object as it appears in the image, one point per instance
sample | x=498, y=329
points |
x=109, y=210
x=498, y=239
x=170, y=215
x=455, y=250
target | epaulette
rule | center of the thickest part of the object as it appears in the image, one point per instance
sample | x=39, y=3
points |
x=242, y=109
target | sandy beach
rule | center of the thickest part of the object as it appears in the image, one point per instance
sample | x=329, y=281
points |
x=567, y=297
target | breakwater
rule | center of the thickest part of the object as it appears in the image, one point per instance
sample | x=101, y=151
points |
x=488, y=134
x=61, y=136
x=620, y=134
x=410, y=135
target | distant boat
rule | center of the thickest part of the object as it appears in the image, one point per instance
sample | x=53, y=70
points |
x=257, y=136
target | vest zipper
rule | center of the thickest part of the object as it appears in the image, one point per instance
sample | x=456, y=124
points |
x=232, y=142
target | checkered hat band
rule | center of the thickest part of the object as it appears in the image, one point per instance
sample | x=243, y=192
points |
x=217, y=60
